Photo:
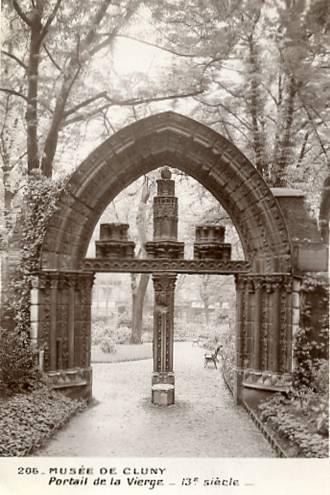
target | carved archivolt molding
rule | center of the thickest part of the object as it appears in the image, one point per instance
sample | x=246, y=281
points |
x=176, y=139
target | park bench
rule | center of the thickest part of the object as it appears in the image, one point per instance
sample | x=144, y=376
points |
x=212, y=357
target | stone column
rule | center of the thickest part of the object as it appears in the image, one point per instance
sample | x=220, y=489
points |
x=240, y=337
x=257, y=323
x=275, y=327
x=265, y=364
x=53, y=351
x=83, y=305
x=163, y=374
x=71, y=322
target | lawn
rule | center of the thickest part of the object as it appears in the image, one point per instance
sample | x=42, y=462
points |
x=124, y=352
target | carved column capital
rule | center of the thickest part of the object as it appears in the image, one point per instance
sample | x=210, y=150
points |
x=85, y=280
x=164, y=282
x=54, y=279
x=240, y=282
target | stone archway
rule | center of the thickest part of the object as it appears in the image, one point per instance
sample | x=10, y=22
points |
x=62, y=292
x=191, y=147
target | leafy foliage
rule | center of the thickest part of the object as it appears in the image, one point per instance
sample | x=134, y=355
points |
x=229, y=358
x=17, y=371
x=306, y=428
x=311, y=342
x=302, y=416
x=39, y=203
x=108, y=344
x=107, y=339
x=262, y=67
x=28, y=420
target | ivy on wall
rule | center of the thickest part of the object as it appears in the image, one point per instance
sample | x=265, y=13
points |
x=39, y=202
x=301, y=417
x=311, y=343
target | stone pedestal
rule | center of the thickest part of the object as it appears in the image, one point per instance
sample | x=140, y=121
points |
x=114, y=241
x=209, y=243
x=162, y=394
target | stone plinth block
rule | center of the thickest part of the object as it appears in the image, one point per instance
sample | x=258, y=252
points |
x=114, y=241
x=209, y=243
x=210, y=233
x=162, y=394
x=114, y=231
x=212, y=250
x=114, y=249
x=75, y=383
x=165, y=249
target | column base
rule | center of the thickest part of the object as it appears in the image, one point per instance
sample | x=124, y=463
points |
x=162, y=390
x=162, y=394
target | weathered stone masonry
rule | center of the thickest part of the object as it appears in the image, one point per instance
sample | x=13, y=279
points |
x=267, y=283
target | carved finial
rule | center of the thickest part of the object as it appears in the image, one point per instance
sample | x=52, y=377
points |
x=165, y=173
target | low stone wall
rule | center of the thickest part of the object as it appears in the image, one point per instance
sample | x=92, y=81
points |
x=261, y=427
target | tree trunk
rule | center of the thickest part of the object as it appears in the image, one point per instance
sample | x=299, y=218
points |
x=31, y=115
x=137, y=309
x=204, y=294
x=139, y=289
x=254, y=108
x=283, y=145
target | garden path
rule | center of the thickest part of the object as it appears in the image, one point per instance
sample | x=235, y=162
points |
x=204, y=422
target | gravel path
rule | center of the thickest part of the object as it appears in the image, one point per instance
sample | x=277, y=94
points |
x=204, y=422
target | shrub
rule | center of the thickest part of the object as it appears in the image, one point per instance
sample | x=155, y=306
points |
x=98, y=333
x=279, y=412
x=27, y=420
x=107, y=338
x=17, y=371
x=303, y=416
x=228, y=357
x=147, y=337
x=122, y=335
x=108, y=345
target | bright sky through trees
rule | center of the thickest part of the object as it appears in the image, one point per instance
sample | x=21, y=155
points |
x=132, y=56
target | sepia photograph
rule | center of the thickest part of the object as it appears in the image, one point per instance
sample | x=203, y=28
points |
x=164, y=246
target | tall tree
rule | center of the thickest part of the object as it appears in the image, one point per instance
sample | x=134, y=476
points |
x=264, y=67
x=140, y=282
x=58, y=58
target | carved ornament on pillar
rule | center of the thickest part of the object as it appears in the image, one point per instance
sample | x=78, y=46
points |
x=165, y=214
x=164, y=286
x=65, y=312
x=270, y=295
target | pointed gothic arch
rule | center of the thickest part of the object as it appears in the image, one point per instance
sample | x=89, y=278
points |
x=191, y=147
